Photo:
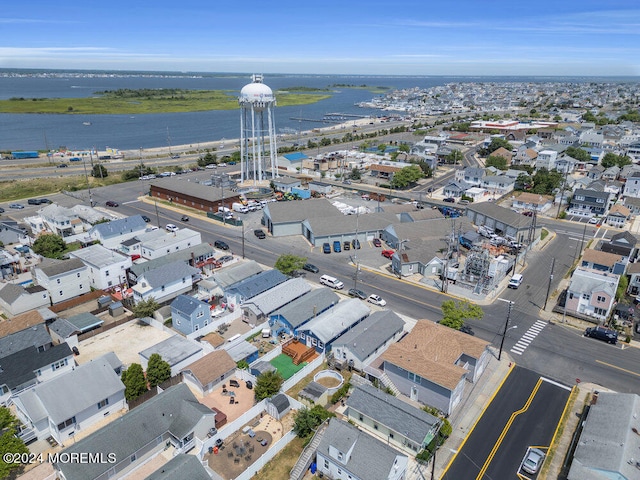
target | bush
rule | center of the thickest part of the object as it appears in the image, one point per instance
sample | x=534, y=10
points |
x=340, y=393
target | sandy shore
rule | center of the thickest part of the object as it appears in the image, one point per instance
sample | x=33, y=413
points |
x=231, y=144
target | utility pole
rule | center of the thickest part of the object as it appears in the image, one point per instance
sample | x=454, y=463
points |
x=243, y=239
x=84, y=163
x=355, y=256
x=506, y=326
x=553, y=261
x=157, y=214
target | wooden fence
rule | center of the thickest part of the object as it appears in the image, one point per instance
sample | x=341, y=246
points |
x=149, y=394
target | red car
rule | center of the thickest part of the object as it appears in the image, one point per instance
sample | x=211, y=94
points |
x=377, y=242
x=388, y=253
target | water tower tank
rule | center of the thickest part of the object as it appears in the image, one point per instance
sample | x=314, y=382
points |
x=256, y=94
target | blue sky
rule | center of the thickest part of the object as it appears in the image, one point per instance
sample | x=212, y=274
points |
x=471, y=37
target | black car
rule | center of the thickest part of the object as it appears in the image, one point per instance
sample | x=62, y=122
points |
x=310, y=268
x=34, y=201
x=355, y=243
x=111, y=203
x=221, y=245
x=602, y=333
x=1, y=210
x=260, y=234
x=346, y=245
x=467, y=329
x=326, y=248
x=449, y=200
x=249, y=384
x=184, y=218
x=45, y=200
x=354, y=292
x=146, y=219
x=62, y=165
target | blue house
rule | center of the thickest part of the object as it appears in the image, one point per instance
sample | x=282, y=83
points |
x=189, y=314
x=239, y=292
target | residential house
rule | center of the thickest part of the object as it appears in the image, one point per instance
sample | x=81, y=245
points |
x=471, y=175
x=383, y=172
x=289, y=318
x=591, y=139
x=503, y=153
x=455, y=189
x=525, y=156
x=112, y=234
x=633, y=270
x=595, y=172
x=16, y=299
x=320, y=187
x=618, y=216
x=244, y=290
x=526, y=201
x=621, y=243
x=10, y=232
x=189, y=314
x=25, y=367
x=603, y=261
x=179, y=467
x=174, y=416
x=498, y=184
x=241, y=351
x=165, y=282
x=391, y=419
x=591, y=293
x=107, y=268
x=61, y=220
x=433, y=363
x=258, y=309
x=611, y=173
x=63, y=279
x=71, y=402
x=207, y=373
x=588, y=203
x=286, y=184
x=323, y=329
x=566, y=164
x=177, y=351
x=608, y=442
x=169, y=243
x=546, y=159
x=346, y=453
x=633, y=204
x=368, y=339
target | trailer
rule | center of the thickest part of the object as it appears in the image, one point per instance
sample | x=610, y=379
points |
x=21, y=155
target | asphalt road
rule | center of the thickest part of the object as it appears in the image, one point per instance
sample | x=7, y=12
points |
x=525, y=412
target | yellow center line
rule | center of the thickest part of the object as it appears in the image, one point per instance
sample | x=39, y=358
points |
x=506, y=429
x=618, y=368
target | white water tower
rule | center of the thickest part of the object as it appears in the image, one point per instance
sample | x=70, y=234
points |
x=258, y=149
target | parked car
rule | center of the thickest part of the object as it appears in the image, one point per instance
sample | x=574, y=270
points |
x=1, y=210
x=184, y=218
x=346, y=245
x=594, y=221
x=221, y=245
x=377, y=242
x=354, y=292
x=355, y=243
x=146, y=219
x=467, y=329
x=602, y=333
x=326, y=248
x=336, y=247
x=532, y=460
x=111, y=203
x=16, y=206
x=34, y=201
x=45, y=200
x=449, y=200
x=528, y=213
x=388, y=253
x=225, y=258
x=260, y=234
x=171, y=227
x=62, y=165
x=309, y=267
x=376, y=300
x=249, y=384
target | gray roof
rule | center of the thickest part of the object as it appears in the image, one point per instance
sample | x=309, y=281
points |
x=98, y=256
x=498, y=179
x=257, y=284
x=180, y=467
x=232, y=274
x=276, y=297
x=364, y=456
x=186, y=304
x=608, y=442
x=385, y=409
x=58, y=268
x=169, y=239
x=370, y=334
x=240, y=350
x=306, y=307
x=313, y=391
x=337, y=319
x=175, y=410
x=85, y=321
x=63, y=327
x=34, y=336
x=501, y=214
x=589, y=281
x=293, y=212
x=113, y=360
x=168, y=273
x=173, y=350
x=349, y=224
x=202, y=250
x=280, y=401
x=115, y=228
x=73, y=392
x=19, y=368
x=11, y=292
x=286, y=181
x=261, y=367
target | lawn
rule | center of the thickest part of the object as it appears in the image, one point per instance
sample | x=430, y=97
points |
x=284, y=365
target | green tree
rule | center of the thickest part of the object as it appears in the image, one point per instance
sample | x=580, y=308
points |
x=498, y=162
x=404, y=148
x=158, y=370
x=288, y=263
x=235, y=156
x=455, y=313
x=49, y=245
x=267, y=385
x=611, y=159
x=134, y=382
x=496, y=143
x=242, y=365
x=454, y=157
x=99, y=171
x=145, y=308
x=307, y=420
x=382, y=147
x=407, y=176
x=9, y=442
x=545, y=181
x=355, y=174
x=208, y=159
x=578, y=154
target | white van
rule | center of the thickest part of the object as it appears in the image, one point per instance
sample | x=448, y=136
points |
x=515, y=281
x=331, y=282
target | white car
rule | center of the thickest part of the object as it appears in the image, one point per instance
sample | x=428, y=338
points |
x=594, y=220
x=376, y=300
x=171, y=228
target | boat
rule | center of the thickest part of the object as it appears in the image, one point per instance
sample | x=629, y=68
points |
x=86, y=123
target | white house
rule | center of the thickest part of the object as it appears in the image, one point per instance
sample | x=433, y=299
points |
x=169, y=243
x=632, y=185
x=498, y=184
x=63, y=279
x=72, y=402
x=112, y=233
x=165, y=282
x=16, y=299
x=61, y=220
x=107, y=268
x=546, y=159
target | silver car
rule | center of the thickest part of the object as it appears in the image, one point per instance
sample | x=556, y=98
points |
x=532, y=460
